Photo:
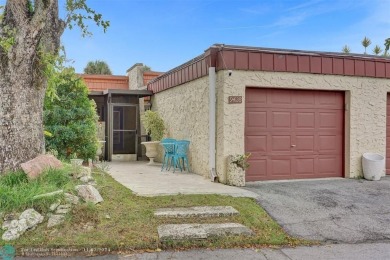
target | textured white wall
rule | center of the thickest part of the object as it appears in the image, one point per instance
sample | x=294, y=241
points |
x=185, y=111
x=365, y=118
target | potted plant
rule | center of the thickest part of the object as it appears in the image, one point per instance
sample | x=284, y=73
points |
x=237, y=164
x=154, y=126
x=75, y=161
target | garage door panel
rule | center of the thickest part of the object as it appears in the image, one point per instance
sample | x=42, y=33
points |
x=330, y=99
x=257, y=170
x=256, y=144
x=281, y=120
x=280, y=97
x=303, y=136
x=329, y=143
x=305, y=120
x=306, y=98
x=328, y=165
x=280, y=166
x=329, y=120
x=304, y=143
x=305, y=166
x=254, y=98
x=257, y=119
x=280, y=143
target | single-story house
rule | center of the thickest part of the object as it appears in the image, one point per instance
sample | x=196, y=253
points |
x=301, y=114
x=120, y=100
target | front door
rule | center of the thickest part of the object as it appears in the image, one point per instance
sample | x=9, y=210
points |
x=124, y=132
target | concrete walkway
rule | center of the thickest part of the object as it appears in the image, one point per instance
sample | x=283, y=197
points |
x=148, y=180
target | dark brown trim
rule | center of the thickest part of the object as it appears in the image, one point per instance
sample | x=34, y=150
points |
x=225, y=57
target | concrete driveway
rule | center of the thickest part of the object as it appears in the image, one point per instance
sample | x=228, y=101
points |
x=338, y=210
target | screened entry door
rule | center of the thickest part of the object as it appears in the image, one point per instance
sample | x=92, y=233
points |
x=124, y=129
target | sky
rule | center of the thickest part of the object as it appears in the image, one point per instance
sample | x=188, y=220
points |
x=164, y=34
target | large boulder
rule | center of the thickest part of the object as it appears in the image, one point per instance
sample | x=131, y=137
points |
x=36, y=166
x=89, y=193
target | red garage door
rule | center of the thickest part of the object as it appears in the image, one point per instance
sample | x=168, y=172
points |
x=294, y=134
x=388, y=136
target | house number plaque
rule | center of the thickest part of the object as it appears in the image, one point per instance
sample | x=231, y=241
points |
x=235, y=100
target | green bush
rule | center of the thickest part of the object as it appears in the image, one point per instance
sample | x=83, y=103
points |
x=154, y=125
x=71, y=118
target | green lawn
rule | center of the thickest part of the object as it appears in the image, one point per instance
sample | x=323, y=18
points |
x=125, y=223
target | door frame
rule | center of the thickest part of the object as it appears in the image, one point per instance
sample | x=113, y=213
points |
x=111, y=126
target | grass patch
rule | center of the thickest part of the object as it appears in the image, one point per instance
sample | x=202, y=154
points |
x=125, y=222
x=17, y=192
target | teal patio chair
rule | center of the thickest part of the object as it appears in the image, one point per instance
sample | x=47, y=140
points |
x=169, y=152
x=181, y=155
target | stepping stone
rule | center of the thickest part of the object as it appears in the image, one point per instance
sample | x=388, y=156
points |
x=200, y=231
x=200, y=212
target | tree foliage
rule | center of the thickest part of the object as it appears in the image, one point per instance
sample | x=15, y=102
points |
x=346, y=49
x=377, y=50
x=71, y=118
x=30, y=32
x=97, y=67
x=366, y=42
x=387, y=46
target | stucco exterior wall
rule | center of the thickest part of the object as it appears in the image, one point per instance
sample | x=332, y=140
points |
x=185, y=110
x=365, y=115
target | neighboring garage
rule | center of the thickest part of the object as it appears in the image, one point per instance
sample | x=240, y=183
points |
x=294, y=134
x=301, y=114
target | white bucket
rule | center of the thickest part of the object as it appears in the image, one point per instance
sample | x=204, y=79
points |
x=373, y=166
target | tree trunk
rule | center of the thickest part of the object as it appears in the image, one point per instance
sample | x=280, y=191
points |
x=22, y=78
x=21, y=118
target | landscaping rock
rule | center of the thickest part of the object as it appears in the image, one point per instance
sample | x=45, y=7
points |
x=36, y=166
x=86, y=179
x=200, y=231
x=32, y=217
x=27, y=220
x=89, y=193
x=83, y=171
x=55, y=220
x=72, y=199
x=48, y=194
x=11, y=234
x=93, y=183
x=10, y=217
x=63, y=209
x=54, y=206
x=200, y=212
x=6, y=224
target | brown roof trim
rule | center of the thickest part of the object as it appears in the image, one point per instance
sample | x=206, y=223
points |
x=234, y=57
x=97, y=76
x=141, y=93
x=300, y=52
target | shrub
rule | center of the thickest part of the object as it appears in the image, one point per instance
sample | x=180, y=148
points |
x=71, y=118
x=153, y=124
